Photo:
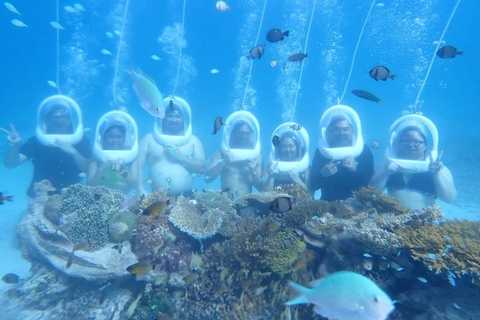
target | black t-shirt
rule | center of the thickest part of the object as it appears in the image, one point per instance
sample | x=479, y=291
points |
x=340, y=185
x=53, y=164
x=422, y=182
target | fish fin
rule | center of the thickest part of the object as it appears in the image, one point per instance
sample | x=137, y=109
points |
x=379, y=101
x=306, y=55
x=7, y=198
x=146, y=76
x=286, y=33
x=460, y=52
x=302, y=291
x=376, y=79
x=393, y=76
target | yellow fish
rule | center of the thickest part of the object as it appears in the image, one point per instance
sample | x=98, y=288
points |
x=155, y=208
x=140, y=268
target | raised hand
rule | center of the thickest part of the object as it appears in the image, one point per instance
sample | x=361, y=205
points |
x=13, y=138
x=435, y=165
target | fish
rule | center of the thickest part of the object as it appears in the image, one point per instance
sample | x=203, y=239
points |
x=155, y=208
x=273, y=225
x=117, y=32
x=273, y=63
x=155, y=57
x=375, y=144
x=52, y=83
x=10, y=278
x=133, y=306
x=106, y=52
x=446, y=52
x=222, y=6
x=299, y=263
x=298, y=57
x=78, y=7
x=281, y=204
x=296, y=127
x=150, y=97
x=70, y=9
x=257, y=52
x=217, y=124
x=140, y=268
x=381, y=73
x=12, y=293
x=127, y=203
x=276, y=140
x=214, y=71
x=422, y=279
x=18, y=23
x=79, y=246
x=11, y=8
x=109, y=34
x=57, y=25
x=276, y=35
x=192, y=277
x=366, y=95
x=345, y=295
x=5, y=198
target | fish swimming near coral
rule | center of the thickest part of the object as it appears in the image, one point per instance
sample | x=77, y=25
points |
x=140, y=268
x=5, y=198
x=345, y=295
x=155, y=208
x=150, y=97
x=381, y=73
x=281, y=204
x=366, y=95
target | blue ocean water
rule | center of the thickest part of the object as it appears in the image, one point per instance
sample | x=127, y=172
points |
x=398, y=34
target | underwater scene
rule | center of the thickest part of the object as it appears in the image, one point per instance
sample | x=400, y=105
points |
x=240, y=159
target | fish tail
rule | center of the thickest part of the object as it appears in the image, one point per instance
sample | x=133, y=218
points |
x=393, y=76
x=286, y=33
x=460, y=52
x=379, y=101
x=7, y=198
x=302, y=291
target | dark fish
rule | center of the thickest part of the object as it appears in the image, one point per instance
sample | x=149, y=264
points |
x=257, y=52
x=10, y=278
x=296, y=127
x=381, y=73
x=366, y=95
x=217, y=124
x=276, y=35
x=172, y=106
x=281, y=205
x=5, y=198
x=448, y=52
x=225, y=190
x=375, y=144
x=42, y=286
x=140, y=268
x=276, y=140
x=155, y=208
x=298, y=57
x=12, y=294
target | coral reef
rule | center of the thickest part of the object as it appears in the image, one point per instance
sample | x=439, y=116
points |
x=190, y=218
x=304, y=210
x=122, y=225
x=210, y=200
x=295, y=191
x=451, y=245
x=373, y=198
x=94, y=207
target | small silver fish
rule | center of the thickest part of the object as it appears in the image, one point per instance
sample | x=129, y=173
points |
x=273, y=63
x=296, y=127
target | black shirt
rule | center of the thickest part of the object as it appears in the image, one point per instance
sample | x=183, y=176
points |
x=422, y=182
x=340, y=185
x=54, y=164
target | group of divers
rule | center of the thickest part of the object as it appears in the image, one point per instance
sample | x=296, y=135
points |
x=412, y=170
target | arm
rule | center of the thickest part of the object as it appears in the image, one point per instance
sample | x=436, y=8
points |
x=269, y=177
x=215, y=167
x=13, y=157
x=138, y=164
x=444, y=186
x=257, y=172
x=379, y=179
x=94, y=173
x=80, y=160
x=192, y=164
x=317, y=179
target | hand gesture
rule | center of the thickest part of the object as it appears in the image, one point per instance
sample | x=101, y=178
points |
x=252, y=165
x=293, y=173
x=65, y=146
x=349, y=163
x=273, y=169
x=13, y=138
x=436, y=165
x=330, y=168
x=393, y=167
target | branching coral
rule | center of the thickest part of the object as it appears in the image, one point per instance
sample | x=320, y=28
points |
x=453, y=245
x=373, y=198
x=303, y=210
x=191, y=219
x=94, y=206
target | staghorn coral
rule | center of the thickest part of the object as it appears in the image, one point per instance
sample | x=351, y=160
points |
x=210, y=200
x=191, y=219
x=303, y=210
x=122, y=225
x=453, y=245
x=94, y=206
x=371, y=197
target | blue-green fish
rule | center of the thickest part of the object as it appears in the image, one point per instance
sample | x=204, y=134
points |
x=345, y=295
x=150, y=97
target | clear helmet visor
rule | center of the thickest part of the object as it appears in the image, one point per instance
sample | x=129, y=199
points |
x=241, y=136
x=176, y=127
x=59, y=118
x=116, y=138
x=289, y=148
x=411, y=139
x=340, y=133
